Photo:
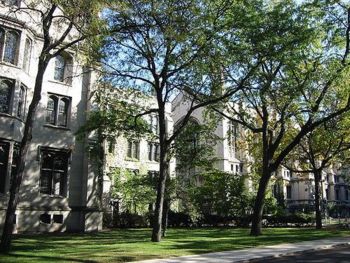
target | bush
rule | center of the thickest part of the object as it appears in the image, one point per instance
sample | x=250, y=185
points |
x=298, y=219
x=179, y=219
x=129, y=220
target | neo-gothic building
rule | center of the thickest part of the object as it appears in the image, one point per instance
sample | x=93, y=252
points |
x=57, y=191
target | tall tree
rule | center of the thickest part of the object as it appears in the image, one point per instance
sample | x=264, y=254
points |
x=304, y=51
x=325, y=146
x=171, y=48
x=62, y=25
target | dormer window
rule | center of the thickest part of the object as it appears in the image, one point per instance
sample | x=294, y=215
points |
x=63, y=64
x=9, y=41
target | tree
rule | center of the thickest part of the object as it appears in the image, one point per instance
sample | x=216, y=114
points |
x=303, y=49
x=169, y=49
x=62, y=25
x=325, y=146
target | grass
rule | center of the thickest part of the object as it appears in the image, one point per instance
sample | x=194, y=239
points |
x=134, y=244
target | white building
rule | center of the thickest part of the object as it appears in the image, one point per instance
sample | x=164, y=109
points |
x=57, y=191
x=137, y=154
x=230, y=156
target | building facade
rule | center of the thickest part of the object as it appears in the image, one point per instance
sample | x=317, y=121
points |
x=58, y=189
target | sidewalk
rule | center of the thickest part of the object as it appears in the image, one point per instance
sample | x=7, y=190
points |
x=245, y=255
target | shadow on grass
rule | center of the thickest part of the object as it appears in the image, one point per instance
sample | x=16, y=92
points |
x=134, y=244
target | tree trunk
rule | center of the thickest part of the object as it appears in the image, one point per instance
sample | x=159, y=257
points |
x=165, y=216
x=16, y=178
x=318, y=213
x=158, y=213
x=259, y=205
x=163, y=171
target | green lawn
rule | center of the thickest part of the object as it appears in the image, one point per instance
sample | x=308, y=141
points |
x=134, y=244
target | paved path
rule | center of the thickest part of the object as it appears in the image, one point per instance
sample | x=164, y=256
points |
x=253, y=254
x=338, y=254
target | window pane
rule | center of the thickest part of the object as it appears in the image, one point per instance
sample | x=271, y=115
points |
x=27, y=55
x=21, y=102
x=4, y=152
x=45, y=182
x=129, y=154
x=11, y=43
x=50, y=110
x=15, y=157
x=156, y=152
x=5, y=95
x=150, y=151
x=47, y=160
x=60, y=162
x=62, y=113
x=60, y=65
x=2, y=38
x=10, y=2
x=136, y=150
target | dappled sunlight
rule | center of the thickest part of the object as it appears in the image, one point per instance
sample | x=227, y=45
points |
x=134, y=244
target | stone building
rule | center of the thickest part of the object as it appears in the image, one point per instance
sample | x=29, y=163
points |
x=58, y=190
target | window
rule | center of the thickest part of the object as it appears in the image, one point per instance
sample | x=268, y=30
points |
x=60, y=65
x=10, y=2
x=233, y=135
x=346, y=194
x=286, y=173
x=289, y=191
x=153, y=151
x=336, y=178
x=4, y=154
x=154, y=124
x=63, y=65
x=6, y=87
x=21, y=101
x=133, y=149
x=337, y=194
x=57, y=219
x=57, y=110
x=9, y=41
x=241, y=167
x=15, y=157
x=53, y=176
x=327, y=193
x=45, y=218
x=27, y=55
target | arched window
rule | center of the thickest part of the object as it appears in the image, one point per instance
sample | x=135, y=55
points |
x=50, y=110
x=21, y=102
x=27, y=55
x=5, y=95
x=11, y=47
x=60, y=65
x=57, y=110
x=62, y=112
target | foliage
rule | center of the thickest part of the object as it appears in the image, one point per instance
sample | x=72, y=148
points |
x=134, y=190
x=221, y=193
x=301, y=80
x=195, y=146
